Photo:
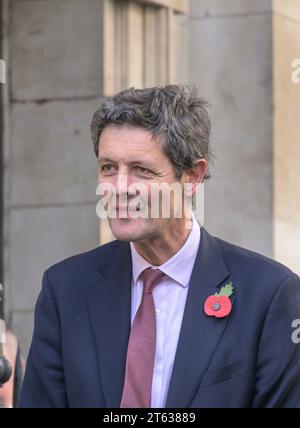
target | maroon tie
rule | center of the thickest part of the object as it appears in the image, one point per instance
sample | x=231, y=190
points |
x=141, y=348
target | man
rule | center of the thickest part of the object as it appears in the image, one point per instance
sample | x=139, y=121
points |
x=165, y=315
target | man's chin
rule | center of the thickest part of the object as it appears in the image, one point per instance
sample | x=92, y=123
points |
x=126, y=229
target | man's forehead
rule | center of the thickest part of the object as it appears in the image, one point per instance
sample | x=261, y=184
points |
x=135, y=147
x=135, y=150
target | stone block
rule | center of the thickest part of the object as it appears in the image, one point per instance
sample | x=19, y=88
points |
x=40, y=237
x=52, y=157
x=55, y=49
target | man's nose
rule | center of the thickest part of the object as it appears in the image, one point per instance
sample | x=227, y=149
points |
x=121, y=183
x=124, y=184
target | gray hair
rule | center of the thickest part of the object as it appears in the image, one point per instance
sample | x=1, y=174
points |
x=175, y=110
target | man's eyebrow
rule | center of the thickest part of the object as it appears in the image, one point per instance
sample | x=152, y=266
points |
x=104, y=159
x=132, y=162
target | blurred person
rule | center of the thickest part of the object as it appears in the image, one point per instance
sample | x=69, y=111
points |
x=10, y=390
x=165, y=315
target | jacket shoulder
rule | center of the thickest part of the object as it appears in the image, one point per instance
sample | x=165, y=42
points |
x=82, y=266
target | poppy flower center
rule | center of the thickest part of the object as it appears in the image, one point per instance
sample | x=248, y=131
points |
x=216, y=306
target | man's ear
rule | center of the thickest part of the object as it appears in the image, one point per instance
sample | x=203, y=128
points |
x=194, y=176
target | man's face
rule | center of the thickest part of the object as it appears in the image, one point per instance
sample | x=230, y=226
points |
x=129, y=158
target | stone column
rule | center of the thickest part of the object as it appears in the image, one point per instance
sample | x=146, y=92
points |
x=231, y=63
x=286, y=39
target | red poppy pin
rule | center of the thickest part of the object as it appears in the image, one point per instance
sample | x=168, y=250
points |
x=219, y=305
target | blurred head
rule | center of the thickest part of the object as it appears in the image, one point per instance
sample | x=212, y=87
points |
x=146, y=139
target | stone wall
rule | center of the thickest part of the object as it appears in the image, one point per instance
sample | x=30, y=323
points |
x=51, y=175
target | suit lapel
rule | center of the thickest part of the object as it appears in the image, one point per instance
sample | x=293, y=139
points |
x=109, y=305
x=200, y=334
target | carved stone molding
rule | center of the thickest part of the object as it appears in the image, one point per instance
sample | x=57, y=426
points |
x=137, y=42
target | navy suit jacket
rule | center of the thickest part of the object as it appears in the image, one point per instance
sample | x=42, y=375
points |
x=82, y=325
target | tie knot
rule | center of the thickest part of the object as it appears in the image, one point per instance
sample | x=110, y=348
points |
x=150, y=279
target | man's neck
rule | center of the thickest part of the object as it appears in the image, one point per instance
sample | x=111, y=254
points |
x=160, y=249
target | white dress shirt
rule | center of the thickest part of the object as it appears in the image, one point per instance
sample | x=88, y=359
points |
x=169, y=298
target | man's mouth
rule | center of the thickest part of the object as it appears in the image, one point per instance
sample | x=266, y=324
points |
x=127, y=209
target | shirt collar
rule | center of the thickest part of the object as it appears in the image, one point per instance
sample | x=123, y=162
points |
x=180, y=266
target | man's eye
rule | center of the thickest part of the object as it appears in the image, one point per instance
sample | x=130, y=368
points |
x=142, y=170
x=106, y=167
